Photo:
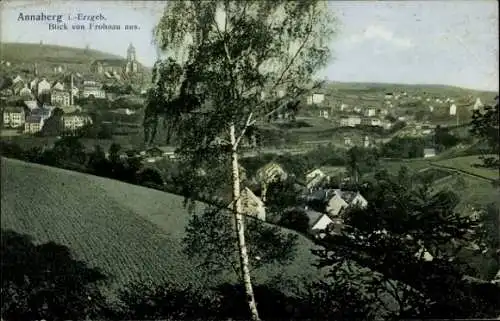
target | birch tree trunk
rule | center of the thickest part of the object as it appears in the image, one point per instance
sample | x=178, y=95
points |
x=240, y=228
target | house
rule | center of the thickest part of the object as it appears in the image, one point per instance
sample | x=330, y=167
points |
x=370, y=112
x=453, y=110
x=43, y=87
x=384, y=112
x=344, y=107
x=72, y=122
x=351, y=121
x=314, y=179
x=366, y=142
x=388, y=96
x=17, y=79
x=93, y=91
x=16, y=88
x=315, y=99
x=269, y=173
x=429, y=152
x=252, y=205
x=347, y=141
x=154, y=152
x=31, y=104
x=13, y=117
x=33, y=124
x=336, y=200
x=431, y=108
x=60, y=98
x=323, y=113
x=371, y=122
x=318, y=221
x=478, y=104
x=25, y=92
x=57, y=85
x=58, y=69
x=34, y=83
x=341, y=200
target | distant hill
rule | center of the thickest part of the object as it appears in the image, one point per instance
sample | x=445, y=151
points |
x=31, y=53
x=410, y=88
x=131, y=232
x=24, y=55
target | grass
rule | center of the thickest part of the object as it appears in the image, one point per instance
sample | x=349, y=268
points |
x=31, y=52
x=469, y=164
x=133, y=233
x=472, y=191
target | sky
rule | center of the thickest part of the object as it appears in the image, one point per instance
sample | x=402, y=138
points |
x=415, y=42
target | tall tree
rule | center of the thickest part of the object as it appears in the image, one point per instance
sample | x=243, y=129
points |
x=232, y=61
x=410, y=243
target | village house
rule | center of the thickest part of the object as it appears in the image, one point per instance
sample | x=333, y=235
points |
x=336, y=200
x=478, y=104
x=13, y=117
x=370, y=112
x=315, y=99
x=429, y=152
x=33, y=124
x=72, y=122
x=25, y=92
x=58, y=69
x=33, y=84
x=17, y=87
x=314, y=179
x=351, y=121
x=95, y=91
x=323, y=113
x=320, y=221
x=57, y=85
x=371, y=122
x=42, y=87
x=347, y=141
x=267, y=174
x=31, y=104
x=366, y=142
x=17, y=79
x=453, y=110
x=344, y=107
x=252, y=205
x=60, y=98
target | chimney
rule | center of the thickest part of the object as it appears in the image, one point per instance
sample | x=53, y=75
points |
x=71, y=92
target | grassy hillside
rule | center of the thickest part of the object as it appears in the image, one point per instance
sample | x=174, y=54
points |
x=31, y=53
x=469, y=164
x=131, y=232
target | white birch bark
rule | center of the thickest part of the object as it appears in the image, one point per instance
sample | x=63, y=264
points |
x=240, y=228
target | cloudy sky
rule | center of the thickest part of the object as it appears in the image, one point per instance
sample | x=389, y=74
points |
x=427, y=42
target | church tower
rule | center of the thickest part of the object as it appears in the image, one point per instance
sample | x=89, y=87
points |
x=131, y=66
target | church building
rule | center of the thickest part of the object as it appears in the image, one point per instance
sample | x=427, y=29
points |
x=117, y=66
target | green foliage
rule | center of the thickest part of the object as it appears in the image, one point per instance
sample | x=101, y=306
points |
x=53, y=126
x=403, y=221
x=485, y=126
x=210, y=237
x=44, y=281
x=404, y=147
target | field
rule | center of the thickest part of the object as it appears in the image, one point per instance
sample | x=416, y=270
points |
x=467, y=164
x=473, y=185
x=131, y=232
